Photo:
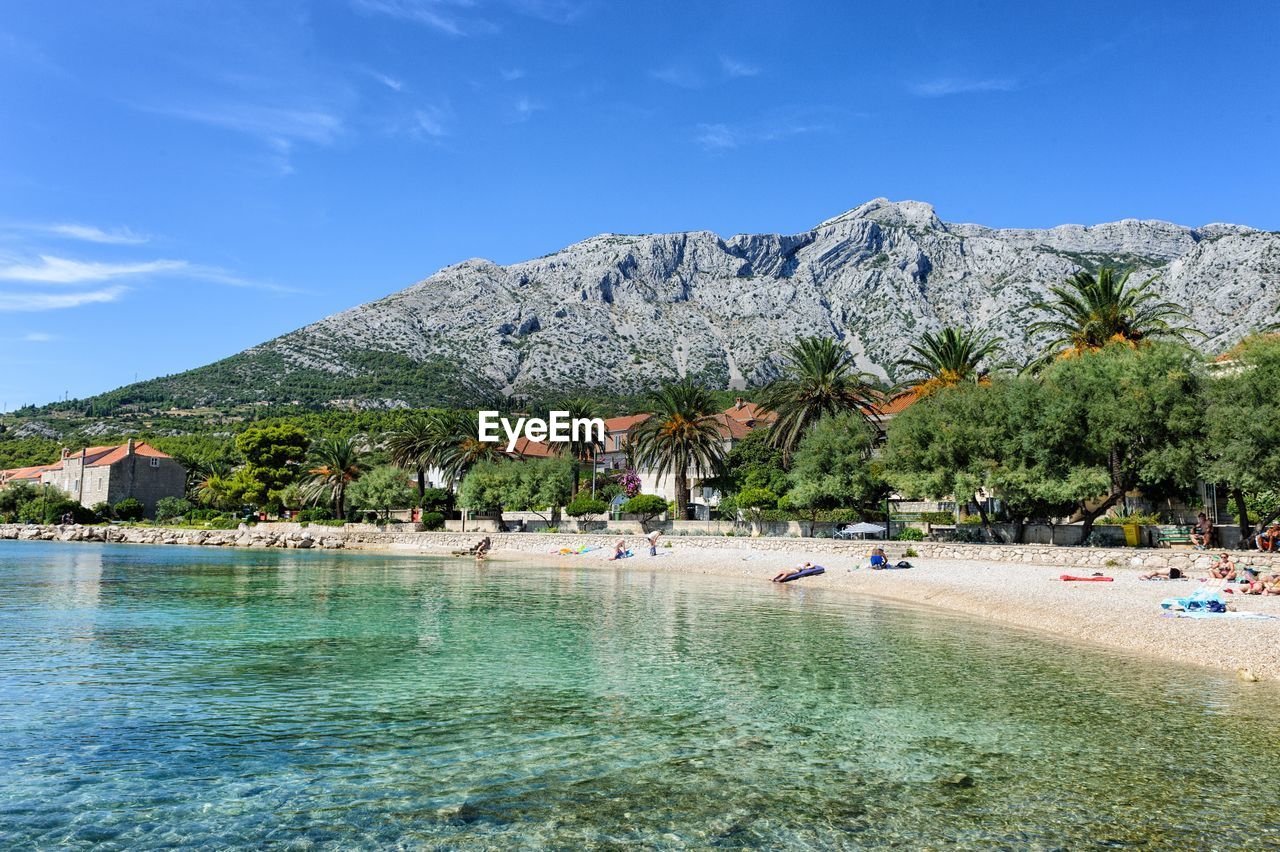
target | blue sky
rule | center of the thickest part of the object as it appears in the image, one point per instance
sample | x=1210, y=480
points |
x=180, y=180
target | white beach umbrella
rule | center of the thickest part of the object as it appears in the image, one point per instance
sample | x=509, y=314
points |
x=863, y=528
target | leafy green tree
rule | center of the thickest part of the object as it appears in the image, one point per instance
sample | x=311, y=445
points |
x=646, y=506
x=1088, y=313
x=950, y=357
x=753, y=462
x=819, y=377
x=833, y=466
x=168, y=508
x=584, y=505
x=681, y=437
x=129, y=509
x=965, y=438
x=486, y=488
x=335, y=463
x=273, y=458
x=381, y=490
x=1243, y=424
x=13, y=497
x=437, y=500
x=539, y=485
x=1118, y=419
x=755, y=501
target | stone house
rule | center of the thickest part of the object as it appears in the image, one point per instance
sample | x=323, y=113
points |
x=109, y=474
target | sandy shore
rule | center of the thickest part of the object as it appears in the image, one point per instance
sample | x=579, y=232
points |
x=1124, y=614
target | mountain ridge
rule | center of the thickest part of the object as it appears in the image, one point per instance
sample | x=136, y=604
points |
x=621, y=313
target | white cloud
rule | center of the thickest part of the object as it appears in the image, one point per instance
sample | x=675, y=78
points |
x=525, y=108
x=393, y=83
x=432, y=121
x=943, y=86
x=38, y=337
x=279, y=126
x=59, y=270
x=512, y=74
x=734, y=68
x=92, y=234
x=678, y=75
x=443, y=15
x=717, y=136
x=58, y=301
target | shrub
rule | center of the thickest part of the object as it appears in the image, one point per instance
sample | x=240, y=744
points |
x=130, y=509
x=910, y=552
x=944, y=518
x=318, y=513
x=438, y=500
x=172, y=507
x=205, y=515
x=224, y=524
x=647, y=506
x=103, y=510
x=909, y=534
x=433, y=520
x=52, y=509
x=584, y=504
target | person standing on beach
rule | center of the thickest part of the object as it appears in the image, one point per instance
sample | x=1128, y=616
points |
x=653, y=542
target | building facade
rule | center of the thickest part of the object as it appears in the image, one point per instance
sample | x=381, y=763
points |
x=96, y=475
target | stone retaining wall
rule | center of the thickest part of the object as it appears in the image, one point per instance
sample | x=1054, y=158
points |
x=361, y=536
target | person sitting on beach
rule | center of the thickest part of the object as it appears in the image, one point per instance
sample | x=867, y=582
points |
x=619, y=550
x=1223, y=569
x=877, y=559
x=1272, y=586
x=1267, y=541
x=481, y=548
x=1202, y=532
x=1166, y=574
x=653, y=541
x=787, y=573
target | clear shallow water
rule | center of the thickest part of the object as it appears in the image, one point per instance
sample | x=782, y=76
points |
x=155, y=696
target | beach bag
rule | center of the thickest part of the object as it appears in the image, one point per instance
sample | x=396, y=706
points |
x=903, y=564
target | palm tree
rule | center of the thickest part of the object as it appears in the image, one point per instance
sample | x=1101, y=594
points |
x=335, y=464
x=819, y=377
x=951, y=357
x=458, y=433
x=417, y=445
x=579, y=449
x=680, y=436
x=1088, y=313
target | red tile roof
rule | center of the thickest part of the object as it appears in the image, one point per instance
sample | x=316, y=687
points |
x=625, y=423
x=532, y=449
x=93, y=457
x=749, y=413
x=898, y=404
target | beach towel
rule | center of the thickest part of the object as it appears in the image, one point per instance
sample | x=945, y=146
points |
x=1202, y=614
x=1201, y=600
x=1070, y=579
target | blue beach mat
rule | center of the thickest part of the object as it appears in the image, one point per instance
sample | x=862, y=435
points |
x=808, y=572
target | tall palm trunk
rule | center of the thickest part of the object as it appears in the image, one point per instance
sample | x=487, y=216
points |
x=682, y=497
x=422, y=484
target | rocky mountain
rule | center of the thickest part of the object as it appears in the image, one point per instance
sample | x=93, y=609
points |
x=623, y=313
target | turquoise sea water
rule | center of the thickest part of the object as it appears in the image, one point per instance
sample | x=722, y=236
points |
x=154, y=697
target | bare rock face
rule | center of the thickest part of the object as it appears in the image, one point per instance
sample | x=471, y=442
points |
x=626, y=312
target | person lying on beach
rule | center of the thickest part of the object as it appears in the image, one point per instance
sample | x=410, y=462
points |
x=1223, y=569
x=877, y=559
x=787, y=573
x=619, y=550
x=1167, y=574
x=1253, y=584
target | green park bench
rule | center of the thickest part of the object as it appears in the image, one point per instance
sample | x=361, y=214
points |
x=1172, y=535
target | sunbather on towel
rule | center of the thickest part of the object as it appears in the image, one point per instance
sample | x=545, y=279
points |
x=787, y=573
x=1272, y=586
x=1167, y=574
x=1253, y=584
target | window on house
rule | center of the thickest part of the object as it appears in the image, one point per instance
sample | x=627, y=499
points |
x=155, y=462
